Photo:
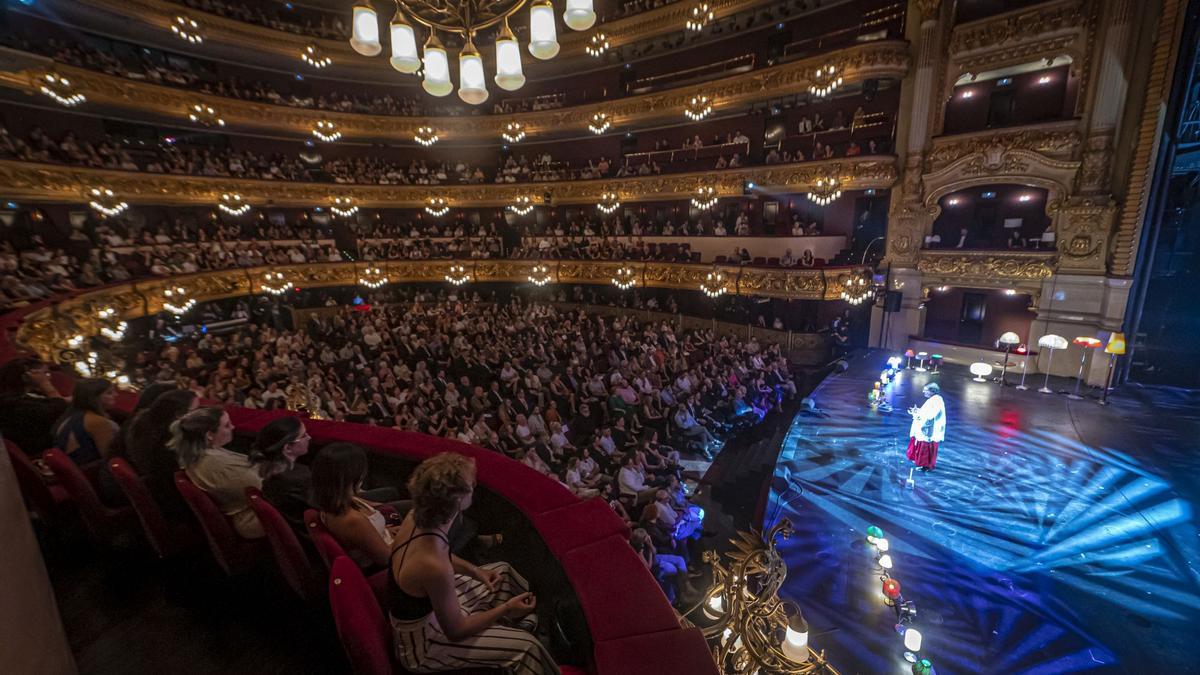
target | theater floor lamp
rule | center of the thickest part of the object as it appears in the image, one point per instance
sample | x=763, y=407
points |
x=1008, y=341
x=1087, y=343
x=1050, y=342
x=1114, y=348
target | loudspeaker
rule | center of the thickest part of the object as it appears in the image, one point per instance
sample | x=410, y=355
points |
x=891, y=301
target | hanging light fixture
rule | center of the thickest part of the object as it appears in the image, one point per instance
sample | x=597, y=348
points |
x=471, y=86
x=599, y=124
x=176, y=301
x=539, y=275
x=579, y=15
x=598, y=46
x=232, y=203
x=437, y=67
x=326, y=131
x=404, y=45
x=825, y=81
x=699, y=17
x=857, y=290
x=275, y=283
x=312, y=56
x=624, y=278
x=699, y=107
x=104, y=201
x=608, y=202
x=509, y=73
x=372, y=278
x=364, y=38
x=521, y=205
x=344, y=207
x=437, y=207
x=59, y=89
x=110, y=327
x=205, y=115
x=706, y=197
x=457, y=274
x=185, y=28
x=514, y=132
x=713, y=284
x=425, y=136
x=826, y=190
x=543, y=35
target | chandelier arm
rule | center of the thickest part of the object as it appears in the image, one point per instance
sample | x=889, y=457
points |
x=467, y=26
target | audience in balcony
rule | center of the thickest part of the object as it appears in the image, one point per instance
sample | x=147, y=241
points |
x=85, y=431
x=198, y=440
x=145, y=445
x=29, y=404
x=304, y=21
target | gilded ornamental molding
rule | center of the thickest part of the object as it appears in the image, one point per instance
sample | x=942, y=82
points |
x=1039, y=22
x=881, y=59
x=47, y=330
x=56, y=183
x=1055, y=140
x=986, y=269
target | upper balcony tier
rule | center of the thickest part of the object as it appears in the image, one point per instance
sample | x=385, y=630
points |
x=859, y=63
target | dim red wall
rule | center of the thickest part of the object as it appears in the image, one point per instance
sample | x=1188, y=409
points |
x=1033, y=102
x=1002, y=313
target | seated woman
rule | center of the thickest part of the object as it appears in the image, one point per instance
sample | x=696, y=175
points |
x=446, y=613
x=29, y=404
x=338, y=473
x=146, y=448
x=285, y=483
x=85, y=431
x=199, y=439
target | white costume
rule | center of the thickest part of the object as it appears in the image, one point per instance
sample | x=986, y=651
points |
x=929, y=422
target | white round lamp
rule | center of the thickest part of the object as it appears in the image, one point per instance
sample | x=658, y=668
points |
x=980, y=370
x=1050, y=342
x=365, y=36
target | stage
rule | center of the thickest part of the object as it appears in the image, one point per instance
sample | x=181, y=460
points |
x=1055, y=536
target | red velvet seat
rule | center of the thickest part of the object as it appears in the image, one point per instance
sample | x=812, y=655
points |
x=42, y=498
x=361, y=624
x=102, y=522
x=234, y=554
x=682, y=651
x=641, y=606
x=166, y=538
x=578, y=525
x=330, y=550
x=293, y=563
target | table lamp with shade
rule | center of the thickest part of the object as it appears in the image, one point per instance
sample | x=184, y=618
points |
x=1007, y=341
x=980, y=370
x=1050, y=342
x=909, y=354
x=1114, y=348
x=1087, y=343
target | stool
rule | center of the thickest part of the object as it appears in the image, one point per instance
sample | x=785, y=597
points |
x=921, y=356
x=935, y=360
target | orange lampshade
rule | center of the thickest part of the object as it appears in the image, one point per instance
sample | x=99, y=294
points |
x=1116, y=344
x=910, y=353
x=1087, y=342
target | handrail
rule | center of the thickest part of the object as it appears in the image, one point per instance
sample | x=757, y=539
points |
x=651, y=154
x=871, y=20
x=732, y=63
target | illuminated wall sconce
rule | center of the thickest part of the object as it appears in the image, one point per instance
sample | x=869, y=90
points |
x=825, y=81
x=598, y=45
x=608, y=202
x=599, y=124
x=624, y=278
x=344, y=207
x=713, y=285
x=457, y=275
x=275, y=283
x=105, y=202
x=232, y=204
x=437, y=207
x=425, y=136
x=514, y=132
x=521, y=205
x=699, y=107
x=706, y=197
x=60, y=90
x=372, y=278
x=539, y=275
x=326, y=131
x=826, y=190
x=699, y=17
x=312, y=56
x=187, y=29
x=176, y=301
x=205, y=115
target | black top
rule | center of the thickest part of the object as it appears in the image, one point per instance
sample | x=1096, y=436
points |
x=288, y=493
x=28, y=420
x=146, y=449
x=401, y=605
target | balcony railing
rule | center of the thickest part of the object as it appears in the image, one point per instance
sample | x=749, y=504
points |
x=675, y=78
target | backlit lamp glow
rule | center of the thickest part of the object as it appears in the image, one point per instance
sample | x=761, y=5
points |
x=893, y=362
x=912, y=640
x=980, y=370
x=509, y=75
x=1116, y=344
x=365, y=38
x=471, y=86
x=885, y=561
x=1050, y=342
x=579, y=15
x=404, y=46
x=437, y=68
x=909, y=354
x=882, y=544
x=891, y=589
x=873, y=533
x=715, y=607
x=543, y=36
x=795, y=640
x=922, y=667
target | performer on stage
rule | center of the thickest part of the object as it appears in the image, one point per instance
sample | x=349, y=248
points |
x=928, y=428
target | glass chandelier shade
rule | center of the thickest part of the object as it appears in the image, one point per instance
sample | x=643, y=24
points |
x=404, y=46
x=543, y=35
x=579, y=15
x=472, y=87
x=509, y=75
x=365, y=35
x=437, y=68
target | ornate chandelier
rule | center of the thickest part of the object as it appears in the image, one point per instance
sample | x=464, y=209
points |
x=59, y=89
x=598, y=45
x=110, y=327
x=344, y=207
x=599, y=124
x=608, y=202
x=457, y=275
x=825, y=81
x=313, y=56
x=706, y=197
x=857, y=290
x=186, y=28
x=698, y=108
x=231, y=203
x=275, y=283
x=521, y=205
x=699, y=17
x=753, y=631
x=372, y=278
x=624, y=278
x=467, y=19
x=539, y=275
x=437, y=207
x=205, y=115
x=514, y=132
x=176, y=301
x=826, y=189
x=426, y=136
x=326, y=131
x=105, y=202
x=713, y=284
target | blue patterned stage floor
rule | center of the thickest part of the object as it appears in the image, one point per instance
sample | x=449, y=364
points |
x=1055, y=536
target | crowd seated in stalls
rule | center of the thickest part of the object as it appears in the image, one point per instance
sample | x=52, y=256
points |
x=306, y=21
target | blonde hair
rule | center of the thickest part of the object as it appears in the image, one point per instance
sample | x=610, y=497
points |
x=437, y=486
x=189, y=434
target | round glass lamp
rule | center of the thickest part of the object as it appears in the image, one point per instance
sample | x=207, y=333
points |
x=980, y=370
x=579, y=15
x=1050, y=342
x=543, y=36
x=437, y=68
x=365, y=34
x=404, y=46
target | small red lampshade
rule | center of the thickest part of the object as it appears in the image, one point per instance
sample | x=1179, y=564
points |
x=891, y=588
x=1087, y=342
x=910, y=353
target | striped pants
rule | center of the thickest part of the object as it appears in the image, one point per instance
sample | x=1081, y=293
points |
x=422, y=647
